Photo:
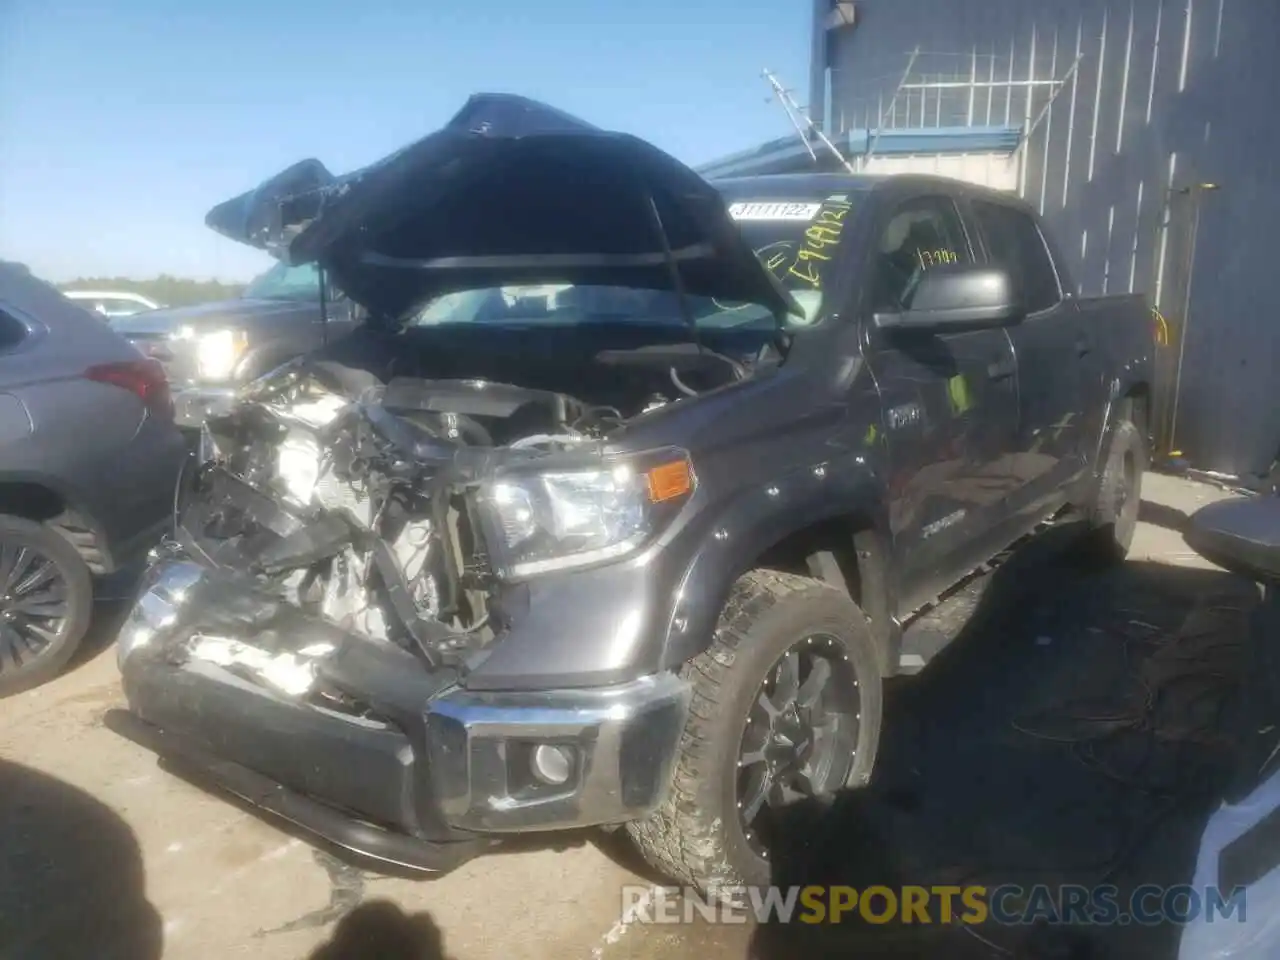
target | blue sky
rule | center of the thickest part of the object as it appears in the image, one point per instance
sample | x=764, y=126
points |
x=122, y=123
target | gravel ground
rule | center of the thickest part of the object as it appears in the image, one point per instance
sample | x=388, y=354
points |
x=106, y=855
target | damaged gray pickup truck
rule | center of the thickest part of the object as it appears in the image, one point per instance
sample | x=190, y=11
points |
x=625, y=498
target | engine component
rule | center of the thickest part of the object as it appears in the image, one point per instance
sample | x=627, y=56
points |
x=347, y=500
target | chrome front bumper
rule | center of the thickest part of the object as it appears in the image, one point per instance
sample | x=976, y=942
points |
x=445, y=762
x=620, y=742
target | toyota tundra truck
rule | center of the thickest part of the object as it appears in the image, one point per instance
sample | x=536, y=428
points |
x=626, y=497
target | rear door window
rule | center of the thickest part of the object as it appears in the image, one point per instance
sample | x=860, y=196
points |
x=1015, y=243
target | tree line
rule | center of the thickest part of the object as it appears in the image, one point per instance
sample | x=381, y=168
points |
x=171, y=291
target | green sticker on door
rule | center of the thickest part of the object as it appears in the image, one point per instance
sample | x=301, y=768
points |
x=958, y=395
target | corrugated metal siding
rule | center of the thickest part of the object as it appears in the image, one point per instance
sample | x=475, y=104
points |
x=996, y=170
x=1167, y=95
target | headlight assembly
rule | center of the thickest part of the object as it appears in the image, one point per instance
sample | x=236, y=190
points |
x=218, y=352
x=558, y=520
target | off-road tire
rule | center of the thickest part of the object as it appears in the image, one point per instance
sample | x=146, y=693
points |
x=1111, y=519
x=696, y=837
x=79, y=582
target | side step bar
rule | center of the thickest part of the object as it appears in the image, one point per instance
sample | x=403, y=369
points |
x=932, y=628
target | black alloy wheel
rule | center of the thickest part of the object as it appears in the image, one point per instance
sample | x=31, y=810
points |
x=784, y=718
x=801, y=734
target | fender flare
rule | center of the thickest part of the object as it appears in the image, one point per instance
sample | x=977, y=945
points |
x=735, y=537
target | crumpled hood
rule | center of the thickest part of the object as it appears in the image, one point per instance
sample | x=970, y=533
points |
x=510, y=191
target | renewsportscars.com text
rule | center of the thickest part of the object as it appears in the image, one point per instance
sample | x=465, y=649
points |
x=1007, y=905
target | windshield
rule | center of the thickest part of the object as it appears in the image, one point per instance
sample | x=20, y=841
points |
x=283, y=282
x=795, y=240
x=569, y=305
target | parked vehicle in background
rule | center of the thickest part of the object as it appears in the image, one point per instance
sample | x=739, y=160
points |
x=89, y=463
x=210, y=349
x=669, y=478
x=112, y=303
x=1238, y=852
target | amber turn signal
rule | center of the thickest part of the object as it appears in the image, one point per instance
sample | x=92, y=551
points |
x=669, y=481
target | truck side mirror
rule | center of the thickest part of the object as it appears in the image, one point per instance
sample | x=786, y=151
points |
x=957, y=296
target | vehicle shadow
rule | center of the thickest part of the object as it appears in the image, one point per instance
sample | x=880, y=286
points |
x=1083, y=715
x=71, y=875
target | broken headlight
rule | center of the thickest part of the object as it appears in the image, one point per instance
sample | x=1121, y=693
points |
x=558, y=520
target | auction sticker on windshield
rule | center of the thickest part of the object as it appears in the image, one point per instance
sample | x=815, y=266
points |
x=774, y=210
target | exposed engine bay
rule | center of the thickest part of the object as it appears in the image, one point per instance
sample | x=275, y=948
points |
x=353, y=501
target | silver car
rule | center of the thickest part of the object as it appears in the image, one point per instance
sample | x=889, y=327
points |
x=89, y=462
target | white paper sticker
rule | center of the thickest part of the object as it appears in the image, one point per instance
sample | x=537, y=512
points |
x=774, y=210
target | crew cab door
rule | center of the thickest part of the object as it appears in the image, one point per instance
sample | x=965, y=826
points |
x=1054, y=348
x=949, y=405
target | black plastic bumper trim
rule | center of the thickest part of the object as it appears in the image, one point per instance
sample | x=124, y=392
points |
x=311, y=816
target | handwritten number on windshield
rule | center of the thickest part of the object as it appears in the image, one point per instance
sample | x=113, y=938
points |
x=819, y=242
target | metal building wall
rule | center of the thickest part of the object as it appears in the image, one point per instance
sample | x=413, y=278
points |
x=1154, y=99
x=998, y=171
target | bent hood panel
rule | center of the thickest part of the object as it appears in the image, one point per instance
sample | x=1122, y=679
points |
x=509, y=192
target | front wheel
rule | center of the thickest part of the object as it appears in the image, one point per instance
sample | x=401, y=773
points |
x=786, y=707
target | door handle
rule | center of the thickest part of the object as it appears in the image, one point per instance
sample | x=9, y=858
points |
x=1002, y=369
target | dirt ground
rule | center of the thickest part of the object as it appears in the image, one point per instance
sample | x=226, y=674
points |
x=1032, y=751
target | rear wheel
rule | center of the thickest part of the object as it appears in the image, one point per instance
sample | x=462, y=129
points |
x=1113, y=516
x=786, y=707
x=46, y=599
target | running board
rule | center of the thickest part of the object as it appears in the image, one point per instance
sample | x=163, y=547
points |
x=932, y=628
x=932, y=631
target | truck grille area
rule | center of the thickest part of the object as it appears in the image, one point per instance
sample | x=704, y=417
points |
x=313, y=530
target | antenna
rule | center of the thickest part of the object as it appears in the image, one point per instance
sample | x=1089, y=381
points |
x=798, y=117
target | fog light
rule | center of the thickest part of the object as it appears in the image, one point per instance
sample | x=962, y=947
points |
x=552, y=765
